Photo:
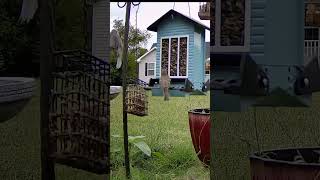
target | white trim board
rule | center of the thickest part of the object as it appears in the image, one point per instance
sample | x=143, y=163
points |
x=140, y=58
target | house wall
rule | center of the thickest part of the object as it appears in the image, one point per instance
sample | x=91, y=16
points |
x=177, y=27
x=277, y=38
x=270, y=24
x=100, y=29
x=257, y=30
x=151, y=57
x=199, y=58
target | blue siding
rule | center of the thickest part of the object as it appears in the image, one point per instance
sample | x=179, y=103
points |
x=284, y=32
x=257, y=40
x=179, y=27
x=276, y=36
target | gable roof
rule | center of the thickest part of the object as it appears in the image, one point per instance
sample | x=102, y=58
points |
x=154, y=26
x=140, y=58
x=153, y=45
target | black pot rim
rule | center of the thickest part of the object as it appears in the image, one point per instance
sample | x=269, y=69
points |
x=254, y=156
x=193, y=111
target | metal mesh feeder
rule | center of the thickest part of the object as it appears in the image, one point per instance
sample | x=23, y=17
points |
x=79, y=112
x=137, y=100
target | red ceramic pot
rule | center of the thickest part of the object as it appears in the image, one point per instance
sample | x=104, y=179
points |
x=199, y=122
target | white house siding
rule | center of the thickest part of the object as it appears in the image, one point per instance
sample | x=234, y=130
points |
x=150, y=58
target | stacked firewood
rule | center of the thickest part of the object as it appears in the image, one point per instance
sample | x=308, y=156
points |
x=174, y=57
x=312, y=15
x=183, y=57
x=164, y=54
x=232, y=22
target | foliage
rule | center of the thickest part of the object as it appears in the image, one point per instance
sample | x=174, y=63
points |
x=168, y=135
x=70, y=24
x=138, y=142
x=15, y=37
x=137, y=39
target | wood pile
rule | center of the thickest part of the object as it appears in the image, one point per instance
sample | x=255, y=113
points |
x=174, y=57
x=232, y=23
x=164, y=54
x=183, y=57
x=312, y=15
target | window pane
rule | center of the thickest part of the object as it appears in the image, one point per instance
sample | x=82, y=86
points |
x=232, y=22
x=174, y=57
x=150, y=65
x=164, y=54
x=212, y=22
x=183, y=56
x=150, y=72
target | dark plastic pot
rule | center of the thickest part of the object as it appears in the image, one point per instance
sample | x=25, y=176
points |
x=199, y=122
x=283, y=164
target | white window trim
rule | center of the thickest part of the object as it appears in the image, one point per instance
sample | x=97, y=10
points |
x=154, y=68
x=217, y=47
x=169, y=54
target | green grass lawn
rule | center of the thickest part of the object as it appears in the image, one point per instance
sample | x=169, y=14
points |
x=235, y=135
x=166, y=131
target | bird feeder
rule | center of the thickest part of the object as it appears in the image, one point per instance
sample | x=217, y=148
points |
x=137, y=100
x=79, y=111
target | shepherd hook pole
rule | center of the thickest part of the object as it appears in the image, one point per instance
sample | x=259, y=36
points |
x=124, y=89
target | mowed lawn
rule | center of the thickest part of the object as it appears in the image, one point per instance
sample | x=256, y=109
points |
x=166, y=131
x=235, y=135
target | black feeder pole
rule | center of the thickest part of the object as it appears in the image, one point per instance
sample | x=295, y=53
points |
x=124, y=90
x=46, y=57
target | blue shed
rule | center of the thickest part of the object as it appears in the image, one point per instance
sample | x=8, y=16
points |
x=180, y=47
x=258, y=51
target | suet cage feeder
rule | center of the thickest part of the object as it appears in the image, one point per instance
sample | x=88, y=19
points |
x=78, y=123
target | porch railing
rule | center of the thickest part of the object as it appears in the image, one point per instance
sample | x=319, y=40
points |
x=311, y=48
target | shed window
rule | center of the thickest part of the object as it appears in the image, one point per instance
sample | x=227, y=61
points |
x=174, y=54
x=231, y=25
x=149, y=69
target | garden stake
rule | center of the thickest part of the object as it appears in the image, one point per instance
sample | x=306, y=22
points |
x=124, y=90
x=256, y=128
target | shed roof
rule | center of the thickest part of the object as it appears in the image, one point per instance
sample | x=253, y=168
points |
x=140, y=58
x=154, y=26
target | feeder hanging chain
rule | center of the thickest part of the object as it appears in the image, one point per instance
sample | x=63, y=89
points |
x=133, y=3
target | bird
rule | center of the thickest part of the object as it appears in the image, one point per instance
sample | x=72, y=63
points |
x=28, y=10
x=116, y=44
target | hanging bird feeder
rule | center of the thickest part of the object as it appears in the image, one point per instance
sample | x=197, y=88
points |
x=79, y=111
x=137, y=100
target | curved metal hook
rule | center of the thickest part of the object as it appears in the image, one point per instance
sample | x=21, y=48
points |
x=121, y=6
x=138, y=3
x=133, y=3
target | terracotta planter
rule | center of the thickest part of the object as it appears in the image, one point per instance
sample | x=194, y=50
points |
x=199, y=122
x=286, y=164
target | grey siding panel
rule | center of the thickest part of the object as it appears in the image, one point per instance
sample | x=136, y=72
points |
x=100, y=36
x=257, y=40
